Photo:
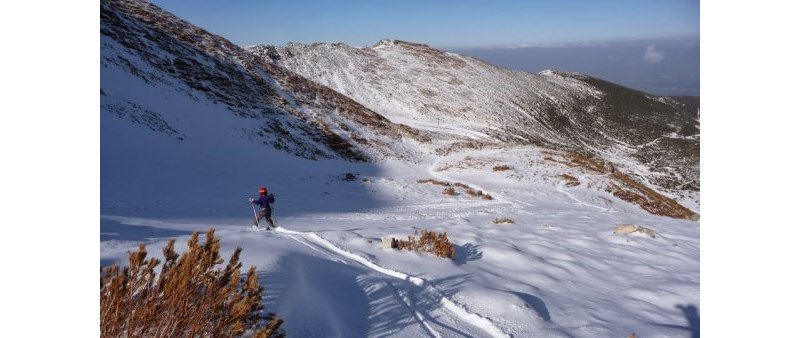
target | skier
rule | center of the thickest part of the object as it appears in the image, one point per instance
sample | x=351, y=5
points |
x=264, y=200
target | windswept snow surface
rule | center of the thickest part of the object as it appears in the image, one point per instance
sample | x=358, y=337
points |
x=558, y=270
x=175, y=161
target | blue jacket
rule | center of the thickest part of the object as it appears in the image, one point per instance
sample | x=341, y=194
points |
x=264, y=201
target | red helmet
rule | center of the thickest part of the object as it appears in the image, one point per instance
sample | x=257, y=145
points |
x=262, y=191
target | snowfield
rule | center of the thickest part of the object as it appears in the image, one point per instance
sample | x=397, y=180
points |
x=558, y=270
x=176, y=160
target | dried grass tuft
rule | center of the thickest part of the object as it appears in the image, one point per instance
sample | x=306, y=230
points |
x=435, y=182
x=503, y=167
x=569, y=180
x=503, y=220
x=429, y=241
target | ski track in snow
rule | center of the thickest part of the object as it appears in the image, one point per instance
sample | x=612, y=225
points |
x=470, y=319
x=560, y=189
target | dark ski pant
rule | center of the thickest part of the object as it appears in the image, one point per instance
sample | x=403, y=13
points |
x=265, y=214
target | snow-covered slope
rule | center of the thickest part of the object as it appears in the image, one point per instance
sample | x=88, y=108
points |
x=191, y=125
x=142, y=44
x=654, y=138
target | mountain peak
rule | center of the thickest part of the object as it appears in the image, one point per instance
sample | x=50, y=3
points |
x=394, y=42
x=385, y=43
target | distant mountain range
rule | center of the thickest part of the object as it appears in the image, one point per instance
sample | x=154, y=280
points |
x=394, y=100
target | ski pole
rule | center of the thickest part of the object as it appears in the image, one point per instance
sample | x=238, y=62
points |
x=272, y=216
x=254, y=213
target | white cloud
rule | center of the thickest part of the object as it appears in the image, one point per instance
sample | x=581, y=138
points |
x=652, y=55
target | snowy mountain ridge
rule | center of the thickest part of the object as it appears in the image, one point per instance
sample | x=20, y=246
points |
x=472, y=101
x=139, y=38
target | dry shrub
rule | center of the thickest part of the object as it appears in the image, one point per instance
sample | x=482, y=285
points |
x=189, y=297
x=569, y=180
x=503, y=220
x=429, y=241
x=478, y=194
x=474, y=193
x=451, y=191
x=630, y=190
x=503, y=167
x=461, y=185
x=435, y=182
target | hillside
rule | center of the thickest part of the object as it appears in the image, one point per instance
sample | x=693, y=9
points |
x=140, y=43
x=654, y=138
x=191, y=125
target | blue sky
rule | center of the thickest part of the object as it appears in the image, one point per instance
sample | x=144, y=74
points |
x=443, y=24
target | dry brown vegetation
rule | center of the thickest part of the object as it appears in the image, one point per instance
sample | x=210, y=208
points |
x=573, y=160
x=189, y=297
x=578, y=160
x=429, y=241
x=432, y=181
x=503, y=220
x=637, y=193
x=451, y=191
x=623, y=186
x=461, y=185
x=569, y=180
x=502, y=167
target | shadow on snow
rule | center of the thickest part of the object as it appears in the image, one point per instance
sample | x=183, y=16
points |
x=325, y=298
x=692, y=315
x=112, y=229
x=466, y=253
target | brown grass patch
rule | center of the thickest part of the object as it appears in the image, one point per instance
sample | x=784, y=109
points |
x=578, y=160
x=189, y=297
x=474, y=193
x=432, y=181
x=569, y=180
x=630, y=190
x=429, y=241
x=461, y=185
x=503, y=220
x=502, y=167
x=450, y=189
